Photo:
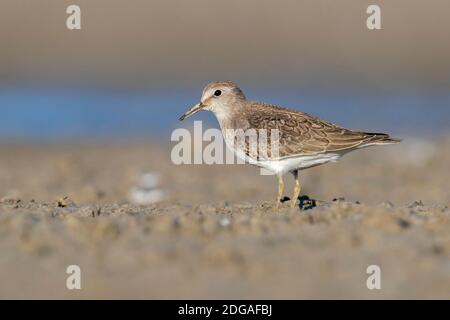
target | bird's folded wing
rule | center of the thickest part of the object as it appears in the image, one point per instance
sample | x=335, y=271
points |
x=301, y=133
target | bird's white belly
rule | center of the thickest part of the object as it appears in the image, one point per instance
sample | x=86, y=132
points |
x=297, y=163
x=285, y=165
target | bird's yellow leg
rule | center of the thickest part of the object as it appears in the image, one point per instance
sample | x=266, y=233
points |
x=280, y=191
x=297, y=189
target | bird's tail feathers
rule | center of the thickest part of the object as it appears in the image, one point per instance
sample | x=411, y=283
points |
x=380, y=139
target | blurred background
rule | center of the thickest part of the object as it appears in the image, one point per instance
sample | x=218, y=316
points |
x=134, y=67
x=86, y=177
x=121, y=82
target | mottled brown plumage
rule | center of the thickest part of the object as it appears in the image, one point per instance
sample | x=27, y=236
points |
x=303, y=141
x=303, y=134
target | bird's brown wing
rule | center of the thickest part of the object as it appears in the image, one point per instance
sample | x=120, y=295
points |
x=301, y=133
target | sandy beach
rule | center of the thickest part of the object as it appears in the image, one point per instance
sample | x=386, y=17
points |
x=91, y=93
x=214, y=233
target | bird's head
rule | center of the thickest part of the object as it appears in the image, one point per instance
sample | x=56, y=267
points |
x=221, y=97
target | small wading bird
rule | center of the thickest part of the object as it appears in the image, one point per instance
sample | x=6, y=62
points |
x=304, y=141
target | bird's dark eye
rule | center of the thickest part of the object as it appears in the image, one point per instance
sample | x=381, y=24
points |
x=217, y=93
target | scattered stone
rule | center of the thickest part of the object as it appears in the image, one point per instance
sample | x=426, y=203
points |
x=65, y=202
x=437, y=249
x=10, y=201
x=224, y=221
x=206, y=209
x=176, y=223
x=387, y=204
x=417, y=203
x=404, y=223
x=146, y=190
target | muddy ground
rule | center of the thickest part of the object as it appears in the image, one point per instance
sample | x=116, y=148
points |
x=213, y=231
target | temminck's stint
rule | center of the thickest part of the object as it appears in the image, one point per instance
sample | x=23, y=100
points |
x=304, y=141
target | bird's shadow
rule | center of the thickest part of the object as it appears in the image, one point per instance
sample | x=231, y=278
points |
x=304, y=202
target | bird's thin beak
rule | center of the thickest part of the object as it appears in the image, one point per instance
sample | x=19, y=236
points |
x=194, y=109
